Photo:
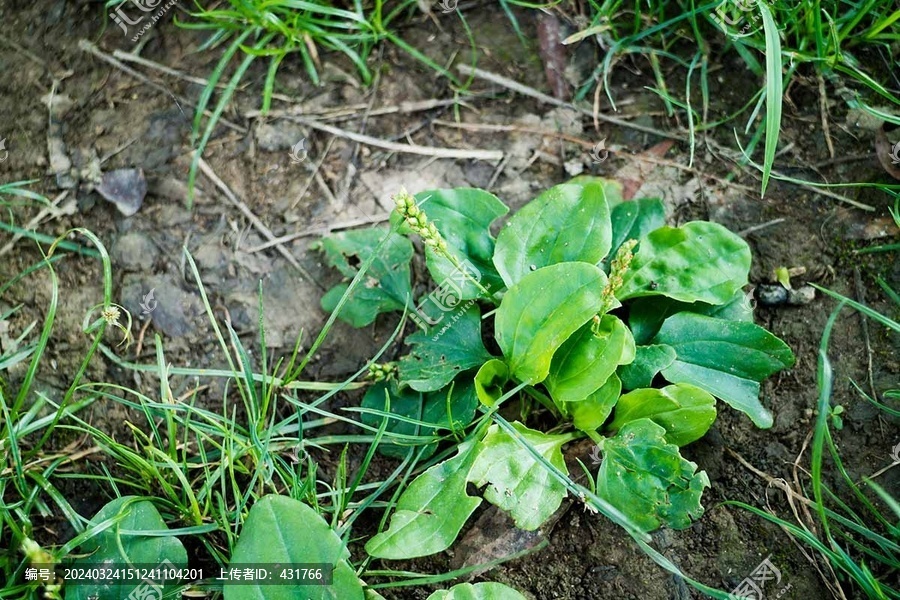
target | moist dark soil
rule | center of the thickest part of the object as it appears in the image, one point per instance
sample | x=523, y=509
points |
x=139, y=125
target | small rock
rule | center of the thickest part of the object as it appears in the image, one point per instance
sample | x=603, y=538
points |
x=802, y=295
x=173, y=215
x=574, y=167
x=172, y=309
x=771, y=294
x=271, y=137
x=775, y=294
x=125, y=188
x=135, y=252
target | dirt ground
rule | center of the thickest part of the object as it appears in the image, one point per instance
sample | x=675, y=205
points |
x=339, y=182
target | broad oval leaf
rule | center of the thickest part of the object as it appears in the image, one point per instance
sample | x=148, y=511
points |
x=281, y=530
x=539, y=313
x=648, y=361
x=444, y=351
x=728, y=359
x=698, y=261
x=388, y=279
x=646, y=315
x=587, y=359
x=646, y=478
x=111, y=549
x=568, y=222
x=431, y=511
x=464, y=217
x=486, y=590
x=519, y=484
x=489, y=381
x=589, y=414
x=685, y=411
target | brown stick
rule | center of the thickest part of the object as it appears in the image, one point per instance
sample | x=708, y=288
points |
x=395, y=147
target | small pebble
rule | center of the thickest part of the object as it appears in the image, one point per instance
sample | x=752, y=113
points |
x=775, y=294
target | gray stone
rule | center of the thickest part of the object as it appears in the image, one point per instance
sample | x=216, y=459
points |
x=134, y=251
x=174, y=310
x=282, y=136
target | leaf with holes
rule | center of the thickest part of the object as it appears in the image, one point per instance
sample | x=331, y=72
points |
x=444, y=351
x=519, y=484
x=386, y=287
x=646, y=478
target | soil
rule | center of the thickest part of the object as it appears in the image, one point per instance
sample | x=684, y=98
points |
x=586, y=557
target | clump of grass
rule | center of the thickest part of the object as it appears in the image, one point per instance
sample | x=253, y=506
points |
x=855, y=538
x=850, y=45
x=276, y=29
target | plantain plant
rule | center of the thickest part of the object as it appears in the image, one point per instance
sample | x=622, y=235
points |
x=624, y=329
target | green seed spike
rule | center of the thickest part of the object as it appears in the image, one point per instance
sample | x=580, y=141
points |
x=617, y=269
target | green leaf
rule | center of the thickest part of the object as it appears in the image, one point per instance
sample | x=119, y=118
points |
x=699, y=261
x=648, y=361
x=568, y=222
x=430, y=512
x=486, y=590
x=464, y=217
x=519, y=484
x=646, y=315
x=281, y=530
x=453, y=413
x=113, y=548
x=685, y=411
x=540, y=312
x=774, y=94
x=634, y=220
x=647, y=479
x=611, y=188
x=444, y=351
x=728, y=359
x=589, y=414
x=489, y=381
x=736, y=309
x=586, y=360
x=387, y=287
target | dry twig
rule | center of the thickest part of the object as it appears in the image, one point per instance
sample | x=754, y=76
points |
x=321, y=230
x=395, y=147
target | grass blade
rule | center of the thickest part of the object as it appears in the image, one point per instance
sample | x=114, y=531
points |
x=774, y=92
